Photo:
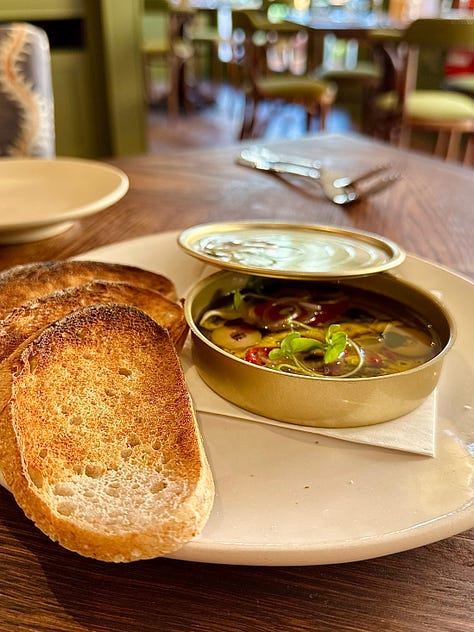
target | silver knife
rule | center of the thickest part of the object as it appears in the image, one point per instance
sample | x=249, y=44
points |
x=278, y=167
x=256, y=152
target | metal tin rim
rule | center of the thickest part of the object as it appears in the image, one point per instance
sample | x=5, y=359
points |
x=307, y=251
x=189, y=305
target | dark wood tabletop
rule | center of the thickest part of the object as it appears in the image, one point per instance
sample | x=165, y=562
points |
x=43, y=587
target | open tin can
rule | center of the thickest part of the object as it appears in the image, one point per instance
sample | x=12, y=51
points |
x=321, y=260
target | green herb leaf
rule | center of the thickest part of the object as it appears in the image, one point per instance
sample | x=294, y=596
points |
x=305, y=345
x=332, y=353
x=286, y=345
x=275, y=354
x=237, y=300
x=336, y=343
x=294, y=343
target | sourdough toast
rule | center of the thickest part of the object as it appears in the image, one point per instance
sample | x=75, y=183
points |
x=24, y=283
x=101, y=447
x=33, y=316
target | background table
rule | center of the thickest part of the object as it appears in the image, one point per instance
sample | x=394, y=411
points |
x=44, y=587
x=429, y=212
x=343, y=24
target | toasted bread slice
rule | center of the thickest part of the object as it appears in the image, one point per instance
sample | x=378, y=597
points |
x=100, y=445
x=23, y=283
x=32, y=317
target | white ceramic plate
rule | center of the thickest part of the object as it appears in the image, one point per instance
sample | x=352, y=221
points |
x=41, y=198
x=288, y=498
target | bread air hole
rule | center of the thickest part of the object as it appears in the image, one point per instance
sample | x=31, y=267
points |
x=75, y=420
x=63, y=489
x=156, y=445
x=158, y=487
x=124, y=371
x=126, y=453
x=32, y=363
x=66, y=508
x=133, y=440
x=43, y=453
x=93, y=470
x=113, y=491
x=35, y=476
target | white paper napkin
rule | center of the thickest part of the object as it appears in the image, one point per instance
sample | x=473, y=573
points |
x=413, y=433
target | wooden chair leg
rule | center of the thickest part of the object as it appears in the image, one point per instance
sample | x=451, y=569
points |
x=468, y=159
x=323, y=116
x=393, y=133
x=248, y=119
x=448, y=145
x=441, y=145
x=216, y=65
x=454, y=140
x=366, y=111
x=404, y=136
x=173, y=87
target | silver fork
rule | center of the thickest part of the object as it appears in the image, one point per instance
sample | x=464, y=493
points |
x=339, y=189
x=344, y=190
x=260, y=154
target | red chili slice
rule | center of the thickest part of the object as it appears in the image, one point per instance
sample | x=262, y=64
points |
x=258, y=355
x=276, y=314
x=327, y=312
x=373, y=358
x=271, y=311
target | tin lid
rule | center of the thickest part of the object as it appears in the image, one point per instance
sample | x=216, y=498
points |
x=291, y=251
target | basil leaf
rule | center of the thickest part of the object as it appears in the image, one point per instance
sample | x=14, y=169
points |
x=286, y=344
x=237, y=300
x=276, y=354
x=332, y=354
x=304, y=345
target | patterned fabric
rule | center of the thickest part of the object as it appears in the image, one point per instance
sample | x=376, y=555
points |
x=26, y=95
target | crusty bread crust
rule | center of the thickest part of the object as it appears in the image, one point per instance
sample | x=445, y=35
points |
x=100, y=444
x=22, y=322
x=23, y=283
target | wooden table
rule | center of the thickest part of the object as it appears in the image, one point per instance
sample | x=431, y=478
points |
x=344, y=24
x=44, y=587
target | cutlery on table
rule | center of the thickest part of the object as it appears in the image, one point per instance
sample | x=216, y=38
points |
x=344, y=190
x=271, y=157
x=338, y=188
x=278, y=167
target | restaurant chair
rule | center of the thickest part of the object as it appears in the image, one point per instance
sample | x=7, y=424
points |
x=414, y=103
x=26, y=93
x=166, y=45
x=262, y=85
x=155, y=42
x=203, y=32
x=463, y=82
x=356, y=78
